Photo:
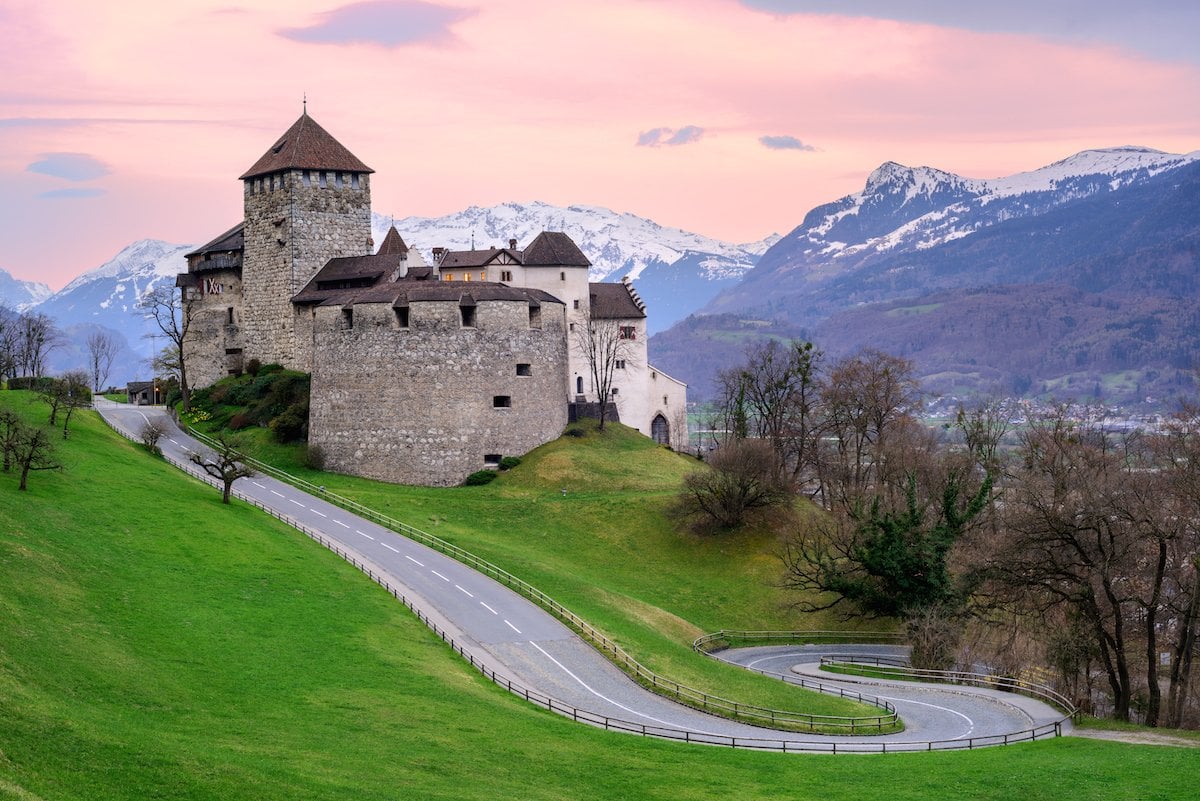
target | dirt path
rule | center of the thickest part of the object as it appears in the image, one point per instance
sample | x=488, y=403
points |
x=1137, y=737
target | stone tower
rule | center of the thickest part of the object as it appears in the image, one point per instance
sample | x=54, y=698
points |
x=307, y=200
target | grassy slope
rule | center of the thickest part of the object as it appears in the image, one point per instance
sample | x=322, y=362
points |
x=156, y=644
x=609, y=550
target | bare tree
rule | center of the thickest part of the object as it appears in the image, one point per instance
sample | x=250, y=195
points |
x=151, y=433
x=173, y=313
x=742, y=478
x=102, y=349
x=10, y=434
x=865, y=400
x=10, y=351
x=78, y=396
x=223, y=465
x=774, y=396
x=604, y=343
x=37, y=337
x=34, y=451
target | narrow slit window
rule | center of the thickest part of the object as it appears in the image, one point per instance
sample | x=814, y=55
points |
x=401, y=316
x=468, y=316
x=535, y=317
x=348, y=318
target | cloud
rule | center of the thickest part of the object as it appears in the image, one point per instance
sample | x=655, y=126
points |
x=390, y=23
x=785, y=143
x=70, y=166
x=1160, y=29
x=656, y=137
x=74, y=192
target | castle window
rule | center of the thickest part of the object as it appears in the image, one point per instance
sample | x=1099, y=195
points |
x=354, y=180
x=576, y=304
x=306, y=177
x=482, y=276
x=501, y=401
x=562, y=276
x=572, y=326
x=506, y=276
x=321, y=180
x=468, y=316
x=615, y=391
x=491, y=460
x=535, y=316
x=229, y=316
x=466, y=276
x=620, y=364
x=337, y=180
x=348, y=316
x=524, y=369
x=628, y=332
x=401, y=316
x=664, y=400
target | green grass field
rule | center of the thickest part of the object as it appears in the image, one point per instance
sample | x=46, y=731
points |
x=609, y=550
x=157, y=644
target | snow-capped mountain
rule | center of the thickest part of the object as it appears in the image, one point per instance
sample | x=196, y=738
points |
x=107, y=297
x=20, y=295
x=676, y=271
x=903, y=210
x=1081, y=277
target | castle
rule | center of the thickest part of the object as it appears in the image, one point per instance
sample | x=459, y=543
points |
x=421, y=373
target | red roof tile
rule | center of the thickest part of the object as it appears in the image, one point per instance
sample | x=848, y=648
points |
x=306, y=146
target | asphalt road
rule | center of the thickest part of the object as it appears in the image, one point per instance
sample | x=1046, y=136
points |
x=520, y=640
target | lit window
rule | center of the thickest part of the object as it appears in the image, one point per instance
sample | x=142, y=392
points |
x=482, y=275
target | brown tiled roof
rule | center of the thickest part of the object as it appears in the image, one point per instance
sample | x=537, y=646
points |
x=306, y=146
x=554, y=249
x=232, y=239
x=474, y=258
x=613, y=302
x=350, y=272
x=393, y=244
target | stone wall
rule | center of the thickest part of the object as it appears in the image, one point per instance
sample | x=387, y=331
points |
x=295, y=222
x=212, y=336
x=424, y=404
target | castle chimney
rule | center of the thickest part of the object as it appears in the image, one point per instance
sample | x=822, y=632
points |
x=512, y=244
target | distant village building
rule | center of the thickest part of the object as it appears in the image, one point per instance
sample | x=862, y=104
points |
x=421, y=373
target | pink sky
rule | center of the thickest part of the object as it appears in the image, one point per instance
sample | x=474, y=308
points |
x=121, y=125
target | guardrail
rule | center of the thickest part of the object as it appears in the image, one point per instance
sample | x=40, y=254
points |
x=682, y=693
x=891, y=667
x=726, y=638
x=832, y=746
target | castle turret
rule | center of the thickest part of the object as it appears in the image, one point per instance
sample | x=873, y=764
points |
x=307, y=200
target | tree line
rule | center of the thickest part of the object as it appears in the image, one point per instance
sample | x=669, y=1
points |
x=27, y=340
x=1049, y=542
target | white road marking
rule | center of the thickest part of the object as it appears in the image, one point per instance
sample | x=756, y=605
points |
x=315, y=512
x=467, y=592
x=414, y=561
x=293, y=500
x=365, y=534
x=601, y=696
x=340, y=523
x=490, y=609
x=173, y=442
x=280, y=494
x=390, y=548
x=970, y=723
x=439, y=575
x=514, y=628
x=255, y=483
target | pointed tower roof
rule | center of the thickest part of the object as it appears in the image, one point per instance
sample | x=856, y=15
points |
x=393, y=244
x=306, y=146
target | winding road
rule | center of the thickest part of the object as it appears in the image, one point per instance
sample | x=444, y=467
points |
x=528, y=646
